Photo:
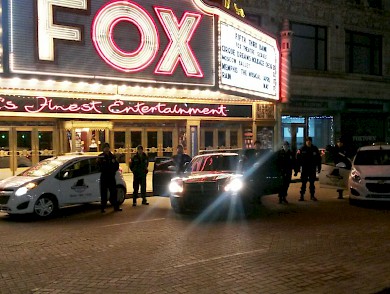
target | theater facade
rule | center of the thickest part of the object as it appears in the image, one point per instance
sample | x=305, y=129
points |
x=77, y=73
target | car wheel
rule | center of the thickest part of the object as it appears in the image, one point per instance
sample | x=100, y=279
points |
x=121, y=194
x=45, y=206
x=176, y=204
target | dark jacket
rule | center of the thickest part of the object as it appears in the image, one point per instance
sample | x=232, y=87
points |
x=180, y=160
x=108, y=164
x=286, y=161
x=309, y=158
x=139, y=164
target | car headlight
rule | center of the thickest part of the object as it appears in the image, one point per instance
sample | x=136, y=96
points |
x=176, y=187
x=25, y=188
x=355, y=175
x=234, y=185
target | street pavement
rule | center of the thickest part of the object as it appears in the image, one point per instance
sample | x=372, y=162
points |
x=328, y=246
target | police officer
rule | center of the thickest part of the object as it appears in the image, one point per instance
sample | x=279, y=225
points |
x=108, y=167
x=308, y=161
x=180, y=159
x=139, y=166
x=286, y=161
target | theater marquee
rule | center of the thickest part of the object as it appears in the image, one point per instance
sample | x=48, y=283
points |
x=145, y=42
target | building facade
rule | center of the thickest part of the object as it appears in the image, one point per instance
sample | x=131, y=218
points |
x=76, y=74
x=339, y=54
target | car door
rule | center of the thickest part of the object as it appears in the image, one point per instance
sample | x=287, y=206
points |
x=262, y=174
x=78, y=183
x=163, y=172
x=332, y=175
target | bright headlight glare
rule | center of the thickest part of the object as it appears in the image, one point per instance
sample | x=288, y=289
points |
x=175, y=187
x=24, y=189
x=234, y=185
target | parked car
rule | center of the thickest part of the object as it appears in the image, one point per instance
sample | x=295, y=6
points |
x=54, y=183
x=369, y=179
x=223, y=181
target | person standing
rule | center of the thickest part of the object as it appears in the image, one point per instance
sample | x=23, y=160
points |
x=340, y=154
x=286, y=165
x=308, y=161
x=139, y=166
x=108, y=166
x=180, y=159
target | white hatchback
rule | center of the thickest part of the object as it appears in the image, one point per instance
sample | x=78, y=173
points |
x=370, y=174
x=54, y=183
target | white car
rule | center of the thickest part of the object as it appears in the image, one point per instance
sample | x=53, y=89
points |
x=370, y=174
x=54, y=183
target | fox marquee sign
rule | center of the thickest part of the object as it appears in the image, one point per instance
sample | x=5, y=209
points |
x=183, y=42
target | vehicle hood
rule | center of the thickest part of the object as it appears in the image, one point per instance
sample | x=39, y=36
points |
x=208, y=177
x=374, y=170
x=15, y=182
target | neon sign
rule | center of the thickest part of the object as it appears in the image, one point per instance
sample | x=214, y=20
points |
x=42, y=104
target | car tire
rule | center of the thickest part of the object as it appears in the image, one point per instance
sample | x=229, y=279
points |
x=46, y=206
x=121, y=194
x=177, y=205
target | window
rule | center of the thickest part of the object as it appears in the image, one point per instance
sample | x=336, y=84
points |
x=309, y=47
x=363, y=53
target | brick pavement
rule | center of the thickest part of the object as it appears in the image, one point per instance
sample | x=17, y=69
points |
x=303, y=247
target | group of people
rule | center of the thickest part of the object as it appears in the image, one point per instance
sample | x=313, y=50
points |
x=307, y=161
x=138, y=165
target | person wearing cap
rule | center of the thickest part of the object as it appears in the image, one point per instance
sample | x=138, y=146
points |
x=286, y=165
x=180, y=159
x=308, y=163
x=108, y=166
x=139, y=166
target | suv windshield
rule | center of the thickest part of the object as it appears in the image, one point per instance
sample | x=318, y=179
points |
x=372, y=157
x=227, y=163
x=43, y=168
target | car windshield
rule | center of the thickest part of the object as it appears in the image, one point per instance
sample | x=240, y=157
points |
x=372, y=157
x=43, y=168
x=226, y=163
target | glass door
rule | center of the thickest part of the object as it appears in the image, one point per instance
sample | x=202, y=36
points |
x=295, y=135
x=5, y=154
x=24, y=150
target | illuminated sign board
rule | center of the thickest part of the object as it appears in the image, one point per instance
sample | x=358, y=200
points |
x=248, y=62
x=161, y=43
x=118, y=40
x=63, y=106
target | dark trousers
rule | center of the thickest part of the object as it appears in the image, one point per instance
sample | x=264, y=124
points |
x=286, y=180
x=108, y=184
x=308, y=175
x=137, y=182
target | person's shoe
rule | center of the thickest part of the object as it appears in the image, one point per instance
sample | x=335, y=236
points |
x=280, y=201
x=313, y=198
x=285, y=200
x=134, y=204
x=145, y=203
x=102, y=211
x=301, y=199
x=118, y=209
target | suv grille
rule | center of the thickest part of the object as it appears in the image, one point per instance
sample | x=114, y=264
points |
x=378, y=188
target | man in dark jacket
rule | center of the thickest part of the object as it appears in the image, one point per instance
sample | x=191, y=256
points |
x=108, y=167
x=309, y=161
x=139, y=166
x=180, y=159
x=286, y=161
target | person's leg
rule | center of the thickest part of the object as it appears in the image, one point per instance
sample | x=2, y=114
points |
x=143, y=190
x=303, y=186
x=312, y=178
x=135, y=190
x=103, y=195
x=340, y=191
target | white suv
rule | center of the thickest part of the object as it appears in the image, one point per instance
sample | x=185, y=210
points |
x=370, y=175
